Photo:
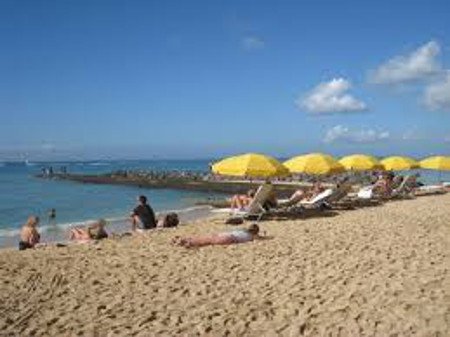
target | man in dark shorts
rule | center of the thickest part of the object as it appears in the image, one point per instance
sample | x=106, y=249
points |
x=143, y=215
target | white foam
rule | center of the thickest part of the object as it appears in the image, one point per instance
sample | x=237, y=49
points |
x=98, y=164
x=222, y=210
x=9, y=233
x=188, y=209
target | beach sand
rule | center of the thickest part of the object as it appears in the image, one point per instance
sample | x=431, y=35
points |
x=375, y=271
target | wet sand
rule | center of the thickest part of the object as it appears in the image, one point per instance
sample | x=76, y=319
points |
x=375, y=271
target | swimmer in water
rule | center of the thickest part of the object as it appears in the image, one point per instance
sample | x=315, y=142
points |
x=52, y=217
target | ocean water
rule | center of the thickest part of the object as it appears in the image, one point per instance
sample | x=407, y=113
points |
x=22, y=194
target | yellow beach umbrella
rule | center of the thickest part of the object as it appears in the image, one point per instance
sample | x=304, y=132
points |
x=250, y=164
x=440, y=163
x=399, y=163
x=360, y=162
x=314, y=163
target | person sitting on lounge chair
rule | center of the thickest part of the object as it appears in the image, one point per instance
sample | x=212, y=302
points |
x=240, y=201
x=95, y=231
x=414, y=182
x=307, y=194
x=397, y=181
x=383, y=186
x=227, y=238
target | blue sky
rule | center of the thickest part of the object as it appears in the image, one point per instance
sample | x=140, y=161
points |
x=196, y=79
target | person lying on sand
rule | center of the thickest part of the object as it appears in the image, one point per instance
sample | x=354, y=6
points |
x=95, y=231
x=29, y=235
x=237, y=236
x=240, y=201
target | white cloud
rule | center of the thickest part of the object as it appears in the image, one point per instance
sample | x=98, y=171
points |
x=437, y=95
x=345, y=134
x=331, y=97
x=250, y=43
x=418, y=65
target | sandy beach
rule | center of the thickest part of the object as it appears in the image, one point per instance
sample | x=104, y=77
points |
x=374, y=271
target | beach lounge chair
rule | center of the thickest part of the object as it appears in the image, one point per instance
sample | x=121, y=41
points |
x=327, y=197
x=255, y=210
x=318, y=201
x=365, y=192
x=405, y=189
x=294, y=207
x=340, y=192
x=340, y=198
x=430, y=190
x=365, y=196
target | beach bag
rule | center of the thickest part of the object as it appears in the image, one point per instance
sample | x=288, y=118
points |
x=169, y=220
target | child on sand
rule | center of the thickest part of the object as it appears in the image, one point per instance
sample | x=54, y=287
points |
x=227, y=238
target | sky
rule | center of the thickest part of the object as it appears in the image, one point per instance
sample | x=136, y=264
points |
x=92, y=79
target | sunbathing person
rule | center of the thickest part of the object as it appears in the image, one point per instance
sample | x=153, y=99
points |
x=306, y=194
x=95, y=231
x=29, y=235
x=384, y=185
x=227, y=238
x=240, y=201
x=397, y=181
x=414, y=182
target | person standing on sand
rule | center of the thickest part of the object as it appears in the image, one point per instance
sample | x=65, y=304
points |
x=29, y=235
x=143, y=215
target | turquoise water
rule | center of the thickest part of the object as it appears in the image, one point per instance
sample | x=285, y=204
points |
x=21, y=194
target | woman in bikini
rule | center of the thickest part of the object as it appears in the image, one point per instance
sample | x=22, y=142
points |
x=240, y=201
x=307, y=194
x=95, y=231
x=383, y=187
